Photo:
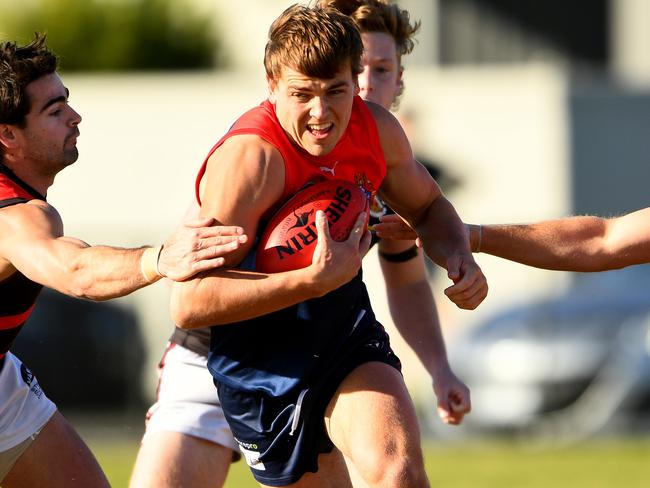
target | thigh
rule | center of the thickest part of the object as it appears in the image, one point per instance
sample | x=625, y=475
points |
x=372, y=420
x=172, y=459
x=187, y=401
x=24, y=407
x=58, y=458
x=332, y=473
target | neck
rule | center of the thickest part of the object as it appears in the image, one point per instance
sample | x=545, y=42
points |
x=27, y=174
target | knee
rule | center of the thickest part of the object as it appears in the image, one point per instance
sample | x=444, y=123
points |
x=394, y=471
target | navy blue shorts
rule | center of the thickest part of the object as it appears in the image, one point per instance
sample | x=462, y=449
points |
x=281, y=437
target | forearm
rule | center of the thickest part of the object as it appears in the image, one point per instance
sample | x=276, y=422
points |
x=415, y=315
x=442, y=232
x=102, y=273
x=234, y=295
x=571, y=244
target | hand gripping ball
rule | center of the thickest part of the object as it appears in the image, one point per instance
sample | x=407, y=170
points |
x=290, y=237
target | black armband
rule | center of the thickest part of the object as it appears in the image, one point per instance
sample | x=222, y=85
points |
x=400, y=257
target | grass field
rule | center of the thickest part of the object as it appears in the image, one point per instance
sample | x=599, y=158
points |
x=600, y=463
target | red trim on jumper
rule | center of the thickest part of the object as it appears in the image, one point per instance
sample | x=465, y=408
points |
x=12, y=321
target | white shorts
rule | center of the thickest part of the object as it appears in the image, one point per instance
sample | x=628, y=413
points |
x=24, y=409
x=187, y=400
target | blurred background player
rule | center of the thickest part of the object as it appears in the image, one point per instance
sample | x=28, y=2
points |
x=38, y=139
x=187, y=439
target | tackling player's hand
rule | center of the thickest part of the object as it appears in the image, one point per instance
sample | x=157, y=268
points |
x=392, y=226
x=198, y=245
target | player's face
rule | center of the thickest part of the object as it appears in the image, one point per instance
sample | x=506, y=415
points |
x=381, y=78
x=314, y=112
x=50, y=134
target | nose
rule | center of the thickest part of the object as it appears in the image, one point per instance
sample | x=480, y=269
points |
x=319, y=108
x=365, y=81
x=75, y=118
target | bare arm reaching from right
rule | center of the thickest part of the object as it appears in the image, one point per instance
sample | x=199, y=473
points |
x=572, y=244
x=582, y=243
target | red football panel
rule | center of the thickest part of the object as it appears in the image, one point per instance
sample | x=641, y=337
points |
x=290, y=236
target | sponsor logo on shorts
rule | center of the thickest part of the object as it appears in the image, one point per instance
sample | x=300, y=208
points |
x=251, y=455
x=30, y=380
x=27, y=375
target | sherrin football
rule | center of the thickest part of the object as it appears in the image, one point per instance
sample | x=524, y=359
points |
x=290, y=237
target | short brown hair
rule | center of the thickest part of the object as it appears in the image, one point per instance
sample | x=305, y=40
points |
x=316, y=41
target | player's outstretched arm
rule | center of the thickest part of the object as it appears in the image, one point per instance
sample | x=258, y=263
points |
x=583, y=243
x=32, y=240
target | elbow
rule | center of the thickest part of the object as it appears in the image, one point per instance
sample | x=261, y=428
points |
x=183, y=319
x=180, y=311
x=188, y=313
x=186, y=318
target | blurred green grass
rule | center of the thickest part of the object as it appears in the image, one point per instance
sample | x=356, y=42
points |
x=603, y=463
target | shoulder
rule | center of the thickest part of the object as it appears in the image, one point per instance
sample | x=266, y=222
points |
x=384, y=119
x=32, y=219
x=243, y=167
x=31, y=209
x=246, y=153
x=392, y=138
x=27, y=210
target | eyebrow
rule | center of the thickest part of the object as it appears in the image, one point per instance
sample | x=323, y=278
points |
x=55, y=100
x=337, y=85
x=296, y=86
x=380, y=60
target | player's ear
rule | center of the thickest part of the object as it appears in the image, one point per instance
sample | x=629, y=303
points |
x=272, y=86
x=8, y=136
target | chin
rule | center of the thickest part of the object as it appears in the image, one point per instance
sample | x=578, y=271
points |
x=319, y=151
x=70, y=157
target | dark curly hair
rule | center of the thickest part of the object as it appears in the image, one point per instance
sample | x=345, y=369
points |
x=19, y=66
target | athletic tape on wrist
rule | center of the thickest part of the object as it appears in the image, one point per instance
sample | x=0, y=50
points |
x=149, y=264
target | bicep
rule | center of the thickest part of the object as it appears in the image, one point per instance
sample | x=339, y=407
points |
x=422, y=189
x=243, y=179
x=404, y=171
x=34, y=244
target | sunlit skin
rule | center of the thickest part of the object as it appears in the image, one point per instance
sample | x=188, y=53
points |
x=381, y=79
x=51, y=130
x=314, y=112
x=381, y=82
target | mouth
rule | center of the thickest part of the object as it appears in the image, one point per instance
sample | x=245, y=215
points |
x=73, y=137
x=320, y=131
